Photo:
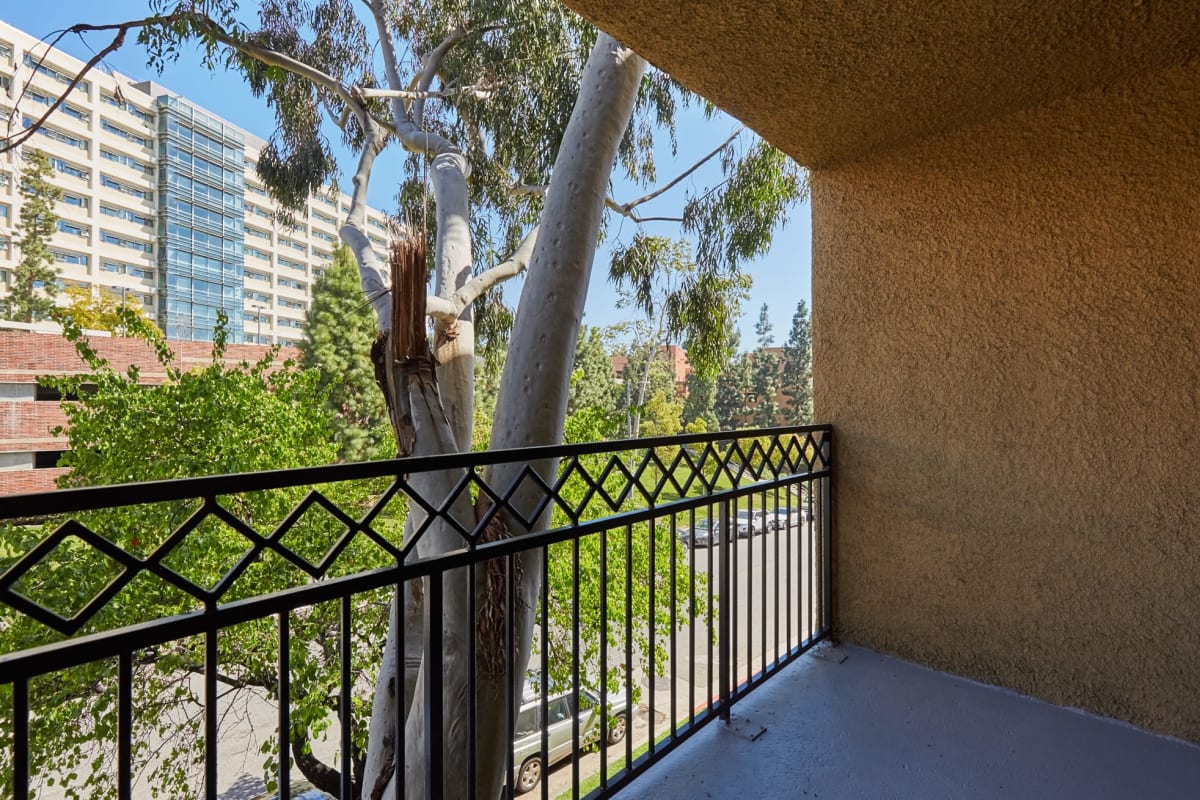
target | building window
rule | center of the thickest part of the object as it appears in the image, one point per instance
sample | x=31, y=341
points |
x=65, y=257
x=124, y=134
x=73, y=230
x=75, y=200
x=119, y=241
x=58, y=136
x=132, y=163
x=70, y=169
x=61, y=77
x=124, y=213
x=47, y=459
x=129, y=190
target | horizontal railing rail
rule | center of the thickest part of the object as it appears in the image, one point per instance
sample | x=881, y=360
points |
x=676, y=573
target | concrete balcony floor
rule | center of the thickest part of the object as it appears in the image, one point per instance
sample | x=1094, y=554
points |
x=874, y=726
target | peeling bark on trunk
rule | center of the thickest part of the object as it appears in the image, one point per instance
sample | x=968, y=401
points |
x=430, y=402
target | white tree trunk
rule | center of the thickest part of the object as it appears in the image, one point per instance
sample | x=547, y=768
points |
x=454, y=343
x=532, y=404
x=531, y=410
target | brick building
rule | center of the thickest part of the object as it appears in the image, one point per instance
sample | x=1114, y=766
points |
x=675, y=357
x=29, y=452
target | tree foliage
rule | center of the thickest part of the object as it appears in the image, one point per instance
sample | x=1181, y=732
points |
x=765, y=374
x=217, y=419
x=593, y=383
x=796, y=369
x=339, y=331
x=98, y=311
x=35, y=280
x=698, y=407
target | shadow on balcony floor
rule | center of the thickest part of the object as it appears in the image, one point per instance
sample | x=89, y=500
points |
x=878, y=727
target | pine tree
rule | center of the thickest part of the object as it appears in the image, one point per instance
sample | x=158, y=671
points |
x=593, y=383
x=765, y=375
x=339, y=331
x=734, y=388
x=796, y=375
x=35, y=280
x=699, y=404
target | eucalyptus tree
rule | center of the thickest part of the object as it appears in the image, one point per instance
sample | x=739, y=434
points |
x=518, y=110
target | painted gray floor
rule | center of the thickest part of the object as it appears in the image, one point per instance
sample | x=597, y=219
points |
x=877, y=727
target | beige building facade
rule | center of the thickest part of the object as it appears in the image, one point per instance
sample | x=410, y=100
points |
x=1006, y=295
x=161, y=204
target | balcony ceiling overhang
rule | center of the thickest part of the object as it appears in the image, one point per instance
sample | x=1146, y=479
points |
x=832, y=81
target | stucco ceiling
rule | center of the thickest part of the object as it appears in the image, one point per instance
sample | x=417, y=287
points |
x=829, y=81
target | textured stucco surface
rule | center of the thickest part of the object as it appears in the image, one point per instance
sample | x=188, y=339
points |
x=830, y=81
x=1007, y=339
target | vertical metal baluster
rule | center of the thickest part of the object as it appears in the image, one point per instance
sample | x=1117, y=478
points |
x=210, y=712
x=652, y=617
x=777, y=593
x=629, y=643
x=511, y=702
x=543, y=673
x=727, y=624
x=21, y=739
x=672, y=540
x=285, y=706
x=346, y=704
x=692, y=618
x=125, y=726
x=575, y=665
x=604, y=662
x=434, y=693
x=749, y=596
x=402, y=681
x=762, y=642
x=713, y=535
x=472, y=699
x=827, y=538
x=810, y=569
x=730, y=508
x=787, y=544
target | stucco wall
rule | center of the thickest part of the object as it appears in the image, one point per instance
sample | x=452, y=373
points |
x=1007, y=337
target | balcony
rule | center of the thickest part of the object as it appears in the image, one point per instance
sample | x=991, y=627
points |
x=164, y=634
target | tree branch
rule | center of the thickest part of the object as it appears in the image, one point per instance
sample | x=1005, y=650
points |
x=475, y=90
x=627, y=209
x=122, y=28
x=388, y=49
x=539, y=190
x=375, y=278
x=673, y=183
x=448, y=309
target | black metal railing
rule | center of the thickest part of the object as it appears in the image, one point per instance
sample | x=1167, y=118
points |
x=145, y=628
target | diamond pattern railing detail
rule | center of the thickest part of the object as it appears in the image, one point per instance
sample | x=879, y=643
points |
x=591, y=481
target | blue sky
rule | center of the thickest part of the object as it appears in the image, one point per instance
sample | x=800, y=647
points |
x=781, y=278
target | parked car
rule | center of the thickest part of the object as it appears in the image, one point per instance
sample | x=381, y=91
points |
x=749, y=523
x=745, y=524
x=560, y=711
x=784, y=518
x=701, y=535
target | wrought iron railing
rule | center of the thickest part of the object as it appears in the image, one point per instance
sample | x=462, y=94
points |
x=678, y=573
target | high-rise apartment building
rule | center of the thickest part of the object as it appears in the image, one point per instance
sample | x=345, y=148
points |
x=161, y=204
